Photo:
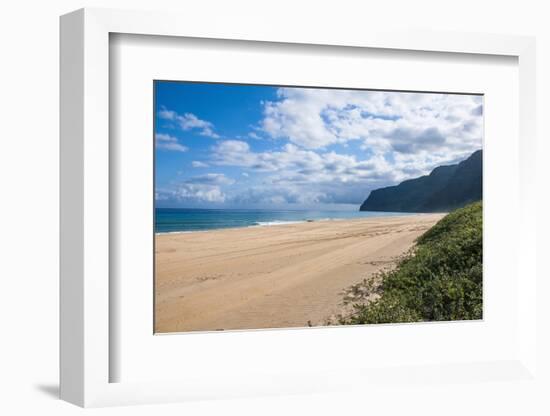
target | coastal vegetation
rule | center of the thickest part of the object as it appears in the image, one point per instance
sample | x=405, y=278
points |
x=439, y=279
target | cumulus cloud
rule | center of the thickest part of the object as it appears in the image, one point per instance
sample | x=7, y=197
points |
x=211, y=179
x=304, y=176
x=381, y=121
x=191, y=193
x=277, y=196
x=294, y=162
x=189, y=121
x=204, y=188
x=254, y=135
x=315, y=146
x=167, y=142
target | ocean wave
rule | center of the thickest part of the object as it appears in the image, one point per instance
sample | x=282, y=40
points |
x=271, y=223
x=185, y=231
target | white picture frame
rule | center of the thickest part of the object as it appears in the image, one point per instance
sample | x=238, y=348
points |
x=85, y=208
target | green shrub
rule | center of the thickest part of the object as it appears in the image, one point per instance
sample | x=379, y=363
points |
x=440, y=279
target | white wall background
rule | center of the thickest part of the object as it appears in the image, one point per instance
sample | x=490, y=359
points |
x=29, y=206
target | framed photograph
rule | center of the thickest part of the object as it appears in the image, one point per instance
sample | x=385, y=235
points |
x=284, y=206
x=247, y=214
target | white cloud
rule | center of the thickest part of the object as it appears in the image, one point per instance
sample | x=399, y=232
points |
x=305, y=176
x=381, y=138
x=167, y=142
x=167, y=114
x=191, y=193
x=278, y=196
x=198, y=189
x=189, y=121
x=292, y=161
x=381, y=121
x=211, y=179
x=254, y=135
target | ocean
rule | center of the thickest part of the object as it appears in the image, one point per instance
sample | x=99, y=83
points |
x=173, y=220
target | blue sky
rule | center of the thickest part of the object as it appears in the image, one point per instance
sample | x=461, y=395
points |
x=238, y=146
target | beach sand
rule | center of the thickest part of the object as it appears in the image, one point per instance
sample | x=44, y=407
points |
x=275, y=276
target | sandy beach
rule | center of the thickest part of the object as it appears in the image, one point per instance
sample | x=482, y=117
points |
x=274, y=276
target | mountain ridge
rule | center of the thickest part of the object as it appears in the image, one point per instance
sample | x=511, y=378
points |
x=447, y=187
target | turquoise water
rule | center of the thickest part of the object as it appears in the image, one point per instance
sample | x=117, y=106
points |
x=170, y=220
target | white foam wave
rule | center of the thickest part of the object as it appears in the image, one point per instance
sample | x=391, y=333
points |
x=272, y=223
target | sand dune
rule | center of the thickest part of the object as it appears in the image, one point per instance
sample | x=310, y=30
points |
x=272, y=277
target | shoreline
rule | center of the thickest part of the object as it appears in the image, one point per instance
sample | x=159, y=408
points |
x=237, y=227
x=279, y=223
x=288, y=275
